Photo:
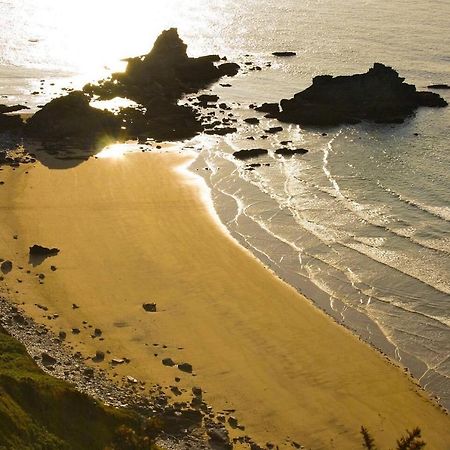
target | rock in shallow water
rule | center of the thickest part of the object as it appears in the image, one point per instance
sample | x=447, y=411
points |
x=379, y=95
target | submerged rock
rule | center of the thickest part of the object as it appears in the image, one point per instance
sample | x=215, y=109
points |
x=379, y=95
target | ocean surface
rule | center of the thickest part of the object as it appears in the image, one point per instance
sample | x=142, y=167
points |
x=360, y=224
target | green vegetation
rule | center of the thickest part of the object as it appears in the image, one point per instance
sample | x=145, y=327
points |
x=411, y=441
x=40, y=412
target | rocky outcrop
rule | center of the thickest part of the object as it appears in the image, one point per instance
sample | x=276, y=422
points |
x=156, y=81
x=71, y=116
x=379, y=95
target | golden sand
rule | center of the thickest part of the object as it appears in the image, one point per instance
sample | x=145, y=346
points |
x=140, y=229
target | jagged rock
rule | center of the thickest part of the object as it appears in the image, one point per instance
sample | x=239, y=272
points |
x=378, y=95
x=284, y=53
x=39, y=253
x=157, y=81
x=291, y=151
x=247, y=154
x=71, y=116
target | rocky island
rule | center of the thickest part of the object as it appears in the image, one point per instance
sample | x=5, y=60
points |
x=379, y=95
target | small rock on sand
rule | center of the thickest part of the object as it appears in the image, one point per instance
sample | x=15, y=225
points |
x=168, y=362
x=185, y=367
x=149, y=307
x=6, y=267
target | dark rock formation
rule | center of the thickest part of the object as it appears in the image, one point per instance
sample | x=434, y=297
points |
x=247, y=154
x=185, y=367
x=378, y=95
x=149, y=307
x=8, y=109
x=252, y=120
x=157, y=81
x=10, y=123
x=273, y=130
x=438, y=86
x=38, y=254
x=291, y=151
x=71, y=116
x=284, y=53
x=271, y=108
x=208, y=98
x=6, y=267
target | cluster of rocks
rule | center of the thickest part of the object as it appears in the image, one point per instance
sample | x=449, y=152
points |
x=379, y=95
x=155, y=81
x=13, y=156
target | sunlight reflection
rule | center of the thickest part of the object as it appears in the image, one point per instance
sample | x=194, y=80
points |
x=114, y=151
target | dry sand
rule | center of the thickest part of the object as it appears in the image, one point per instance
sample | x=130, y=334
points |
x=141, y=229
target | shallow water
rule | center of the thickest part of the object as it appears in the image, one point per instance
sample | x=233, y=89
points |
x=362, y=222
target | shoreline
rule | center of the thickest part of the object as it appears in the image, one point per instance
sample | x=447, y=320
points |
x=221, y=313
x=231, y=197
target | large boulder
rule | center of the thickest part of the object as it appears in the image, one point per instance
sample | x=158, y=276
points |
x=379, y=95
x=71, y=116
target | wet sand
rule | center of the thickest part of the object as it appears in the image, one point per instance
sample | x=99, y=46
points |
x=142, y=229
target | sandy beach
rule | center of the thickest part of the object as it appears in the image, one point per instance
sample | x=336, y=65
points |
x=141, y=229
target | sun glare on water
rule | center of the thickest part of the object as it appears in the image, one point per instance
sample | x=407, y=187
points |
x=114, y=151
x=90, y=36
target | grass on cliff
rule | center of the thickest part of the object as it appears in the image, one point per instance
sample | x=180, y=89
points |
x=40, y=412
